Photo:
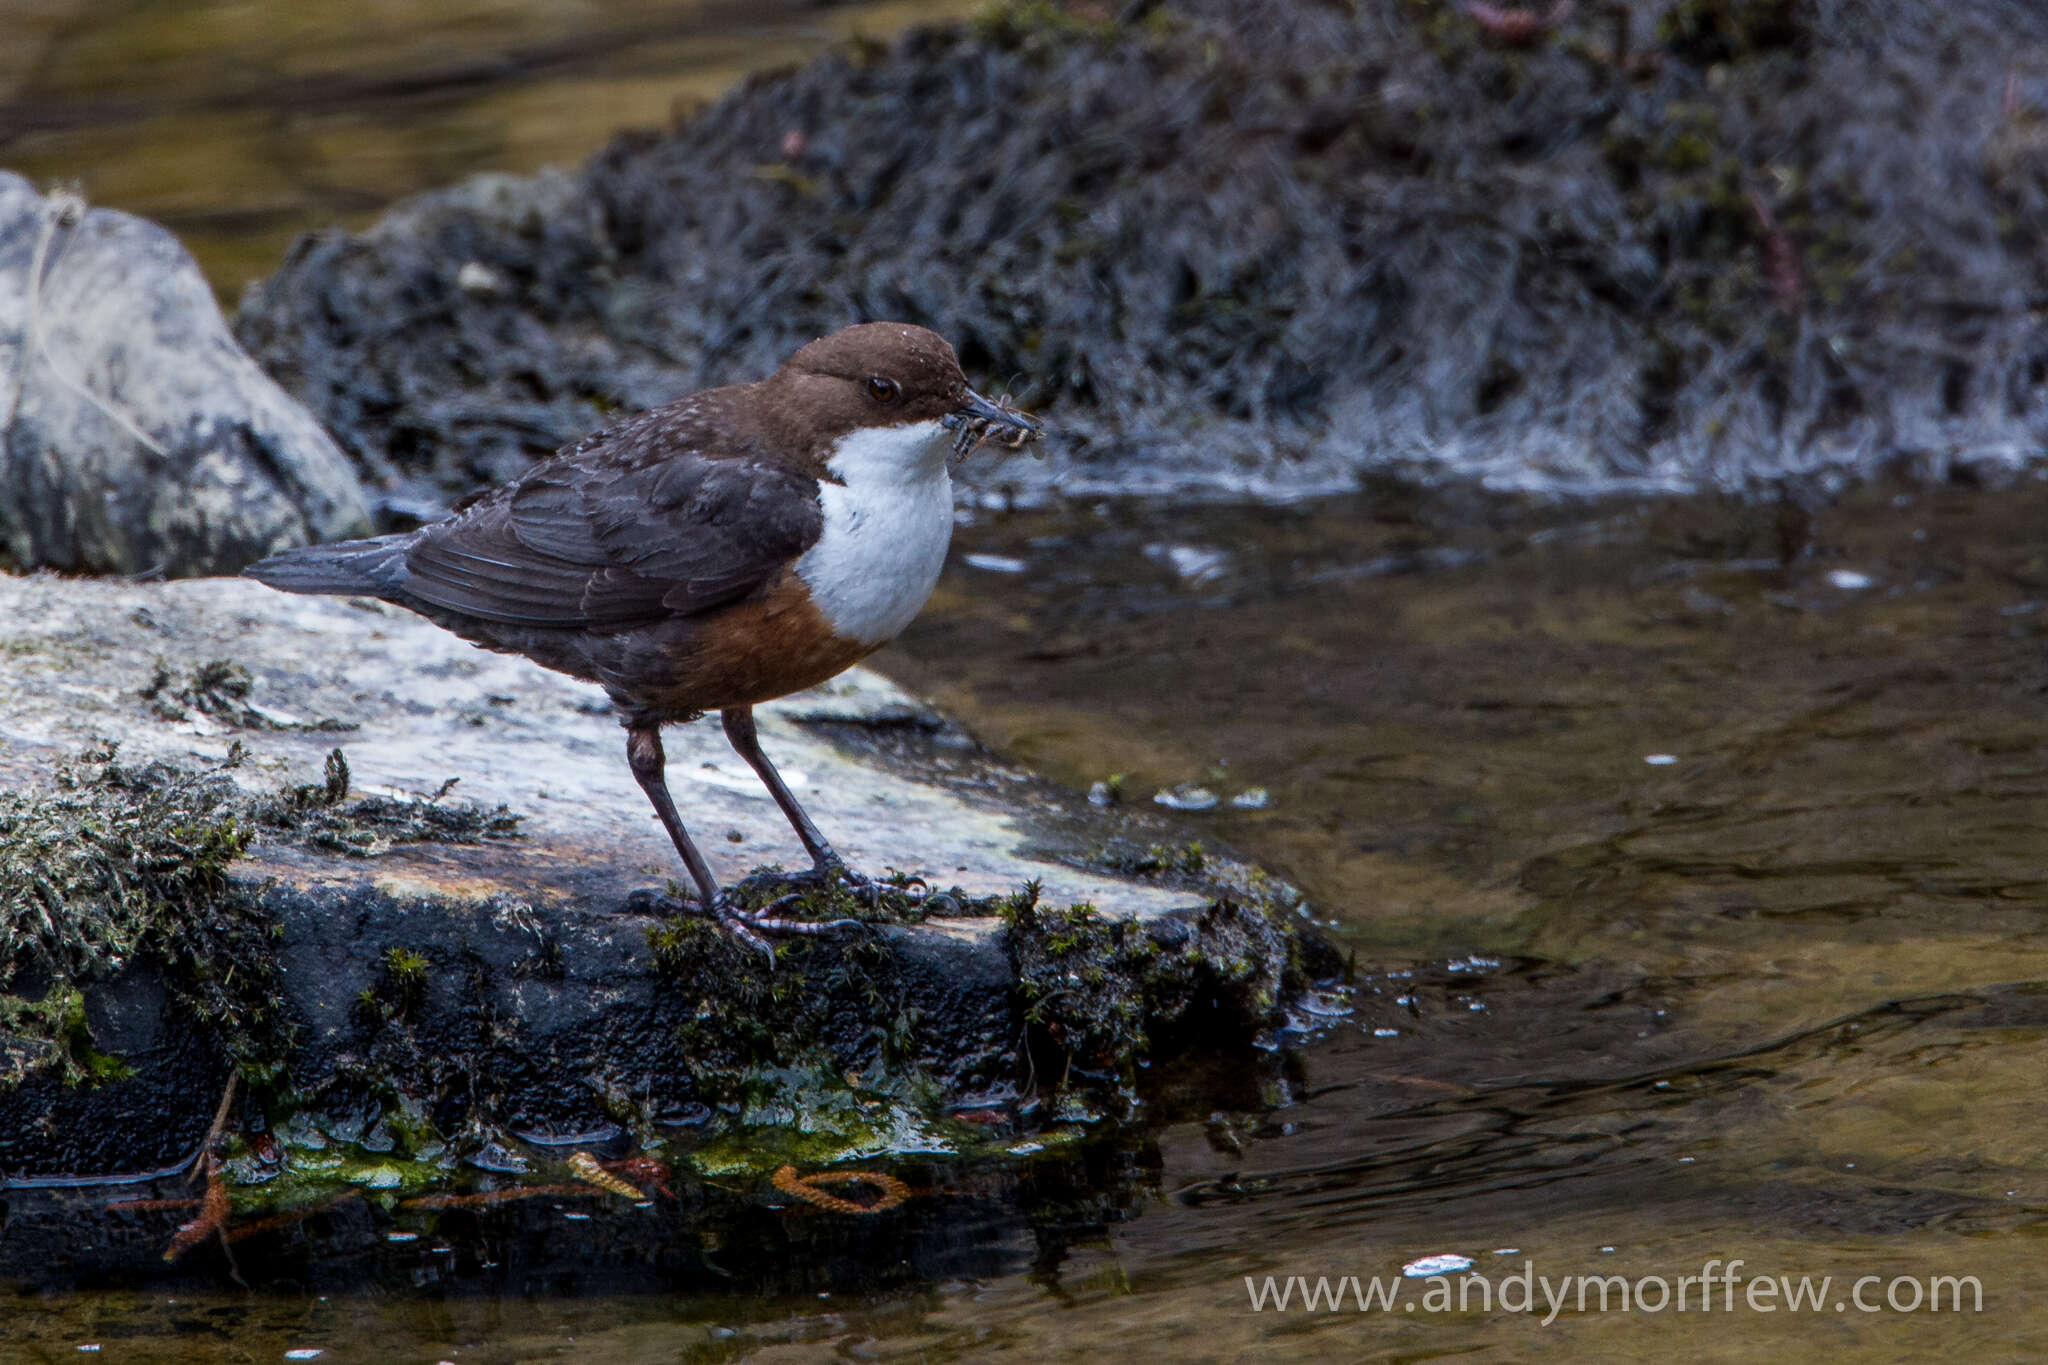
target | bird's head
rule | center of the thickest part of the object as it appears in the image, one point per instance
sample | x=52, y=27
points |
x=892, y=399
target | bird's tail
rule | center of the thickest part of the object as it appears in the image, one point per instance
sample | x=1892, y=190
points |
x=366, y=567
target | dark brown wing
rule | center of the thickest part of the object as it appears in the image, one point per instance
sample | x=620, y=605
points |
x=627, y=527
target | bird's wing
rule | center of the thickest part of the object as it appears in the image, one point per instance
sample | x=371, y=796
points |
x=625, y=528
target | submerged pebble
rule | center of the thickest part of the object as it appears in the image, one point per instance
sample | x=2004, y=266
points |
x=1190, y=563
x=1186, y=798
x=1446, y=1263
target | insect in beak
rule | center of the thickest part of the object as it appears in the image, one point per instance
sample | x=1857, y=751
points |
x=979, y=421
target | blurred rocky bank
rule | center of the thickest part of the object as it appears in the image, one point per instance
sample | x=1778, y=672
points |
x=1265, y=246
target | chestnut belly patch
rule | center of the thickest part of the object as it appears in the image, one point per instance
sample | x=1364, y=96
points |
x=753, y=651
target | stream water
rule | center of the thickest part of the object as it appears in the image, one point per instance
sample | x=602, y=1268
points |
x=1689, y=854
x=1697, y=915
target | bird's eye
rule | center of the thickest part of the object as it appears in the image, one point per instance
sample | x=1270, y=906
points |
x=883, y=389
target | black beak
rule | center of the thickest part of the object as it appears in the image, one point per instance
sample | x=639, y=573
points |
x=977, y=420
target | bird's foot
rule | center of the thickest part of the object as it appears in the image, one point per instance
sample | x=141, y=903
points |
x=870, y=891
x=753, y=927
x=832, y=869
x=750, y=927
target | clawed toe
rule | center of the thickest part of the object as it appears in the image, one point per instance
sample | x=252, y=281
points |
x=766, y=920
x=869, y=890
x=863, y=888
x=752, y=926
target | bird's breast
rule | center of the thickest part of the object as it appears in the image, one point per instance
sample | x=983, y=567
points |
x=880, y=552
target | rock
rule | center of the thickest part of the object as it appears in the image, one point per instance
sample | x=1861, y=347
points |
x=1268, y=246
x=449, y=951
x=136, y=437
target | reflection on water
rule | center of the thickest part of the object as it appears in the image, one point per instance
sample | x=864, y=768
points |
x=1782, y=998
x=241, y=125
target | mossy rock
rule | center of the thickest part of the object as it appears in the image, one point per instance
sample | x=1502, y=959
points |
x=375, y=990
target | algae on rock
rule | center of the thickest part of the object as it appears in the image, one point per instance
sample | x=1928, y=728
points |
x=116, y=863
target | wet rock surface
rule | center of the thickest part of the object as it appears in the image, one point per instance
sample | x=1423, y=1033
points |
x=1268, y=246
x=135, y=435
x=415, y=983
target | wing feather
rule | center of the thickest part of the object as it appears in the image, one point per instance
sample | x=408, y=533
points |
x=622, y=529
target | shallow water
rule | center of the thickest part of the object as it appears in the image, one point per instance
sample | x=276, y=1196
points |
x=1782, y=999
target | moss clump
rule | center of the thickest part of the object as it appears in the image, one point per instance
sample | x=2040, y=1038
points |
x=219, y=688
x=1081, y=976
x=321, y=816
x=894, y=899
x=1012, y=23
x=114, y=863
x=1189, y=863
x=752, y=1016
x=401, y=990
x=1100, y=993
x=52, y=1034
x=815, y=1059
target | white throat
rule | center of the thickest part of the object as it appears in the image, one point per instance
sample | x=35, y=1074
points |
x=887, y=524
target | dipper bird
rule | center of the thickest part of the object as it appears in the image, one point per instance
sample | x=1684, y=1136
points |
x=731, y=547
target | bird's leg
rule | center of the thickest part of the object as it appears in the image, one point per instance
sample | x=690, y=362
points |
x=746, y=740
x=644, y=755
x=739, y=728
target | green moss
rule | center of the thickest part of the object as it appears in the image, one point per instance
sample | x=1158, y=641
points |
x=752, y=1018
x=1082, y=977
x=1009, y=23
x=772, y=1048
x=1100, y=993
x=52, y=1034
x=117, y=863
x=403, y=988
x=406, y=967
x=1189, y=858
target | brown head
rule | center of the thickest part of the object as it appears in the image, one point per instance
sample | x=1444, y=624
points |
x=883, y=375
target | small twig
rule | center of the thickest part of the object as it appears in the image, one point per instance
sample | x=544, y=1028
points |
x=212, y=1219
x=890, y=1190
x=591, y=1173
x=220, y=1123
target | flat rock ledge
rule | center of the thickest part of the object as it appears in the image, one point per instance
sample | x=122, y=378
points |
x=389, y=986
